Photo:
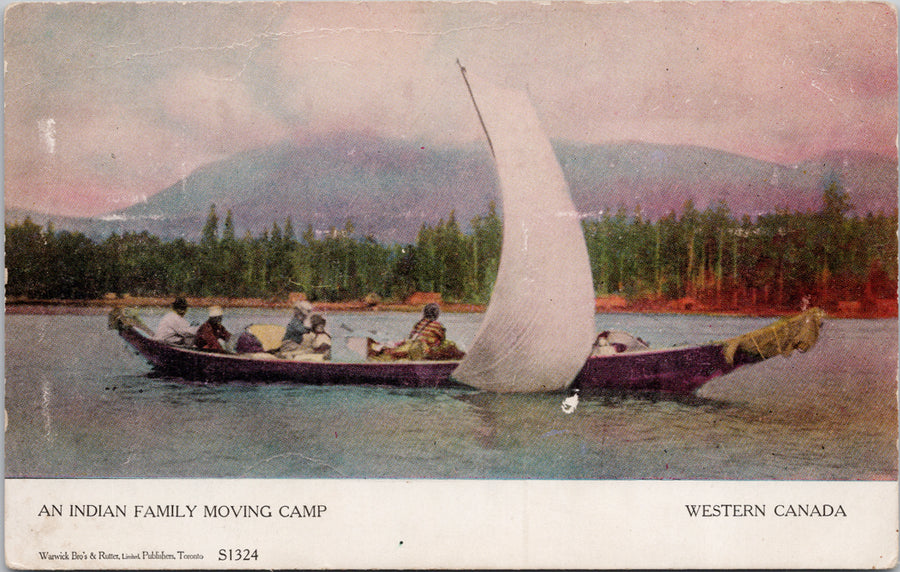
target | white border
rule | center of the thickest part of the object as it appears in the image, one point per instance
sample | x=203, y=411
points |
x=380, y=524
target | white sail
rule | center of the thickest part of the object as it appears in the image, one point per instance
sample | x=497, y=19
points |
x=539, y=326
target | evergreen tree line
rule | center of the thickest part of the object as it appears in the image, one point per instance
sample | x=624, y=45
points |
x=725, y=262
x=336, y=265
x=711, y=256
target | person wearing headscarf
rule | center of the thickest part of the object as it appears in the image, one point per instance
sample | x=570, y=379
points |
x=211, y=331
x=428, y=330
x=300, y=322
x=427, y=340
x=173, y=328
x=319, y=339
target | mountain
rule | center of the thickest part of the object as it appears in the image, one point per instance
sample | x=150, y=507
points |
x=389, y=188
x=659, y=179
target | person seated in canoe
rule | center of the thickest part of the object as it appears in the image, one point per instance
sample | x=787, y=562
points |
x=211, y=331
x=315, y=344
x=300, y=323
x=427, y=340
x=173, y=328
x=319, y=339
x=270, y=340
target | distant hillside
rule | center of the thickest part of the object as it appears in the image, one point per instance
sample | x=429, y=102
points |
x=660, y=179
x=390, y=188
x=387, y=188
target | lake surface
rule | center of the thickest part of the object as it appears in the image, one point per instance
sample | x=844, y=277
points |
x=80, y=404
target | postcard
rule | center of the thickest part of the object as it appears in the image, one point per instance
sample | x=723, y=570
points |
x=403, y=285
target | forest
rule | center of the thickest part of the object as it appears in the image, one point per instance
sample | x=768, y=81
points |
x=722, y=261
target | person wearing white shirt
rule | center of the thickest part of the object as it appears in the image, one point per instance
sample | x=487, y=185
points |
x=173, y=328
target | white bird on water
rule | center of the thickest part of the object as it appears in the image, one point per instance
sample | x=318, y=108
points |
x=570, y=403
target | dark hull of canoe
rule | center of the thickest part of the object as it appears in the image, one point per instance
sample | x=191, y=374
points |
x=676, y=370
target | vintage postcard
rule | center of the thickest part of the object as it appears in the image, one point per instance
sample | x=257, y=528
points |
x=400, y=285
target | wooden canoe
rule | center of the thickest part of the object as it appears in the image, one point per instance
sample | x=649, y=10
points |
x=678, y=370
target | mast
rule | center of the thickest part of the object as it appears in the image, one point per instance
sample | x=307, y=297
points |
x=462, y=70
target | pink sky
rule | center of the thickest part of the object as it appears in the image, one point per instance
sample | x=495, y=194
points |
x=107, y=104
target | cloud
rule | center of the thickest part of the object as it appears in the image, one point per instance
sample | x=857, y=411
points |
x=165, y=87
x=217, y=115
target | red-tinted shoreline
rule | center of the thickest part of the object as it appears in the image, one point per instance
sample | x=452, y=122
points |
x=882, y=310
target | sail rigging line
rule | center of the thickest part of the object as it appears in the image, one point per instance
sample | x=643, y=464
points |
x=487, y=135
x=538, y=328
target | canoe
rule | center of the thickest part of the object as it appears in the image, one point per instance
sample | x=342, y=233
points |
x=677, y=370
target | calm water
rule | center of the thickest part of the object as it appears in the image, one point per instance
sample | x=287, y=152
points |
x=80, y=404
